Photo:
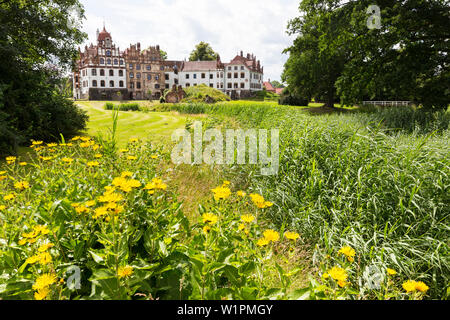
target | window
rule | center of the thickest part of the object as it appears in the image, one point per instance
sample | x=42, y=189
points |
x=138, y=75
x=229, y=75
x=149, y=67
x=131, y=75
x=138, y=85
x=235, y=67
x=167, y=86
x=167, y=76
x=156, y=86
x=162, y=67
x=195, y=84
x=121, y=83
x=211, y=76
x=229, y=68
x=120, y=73
x=131, y=85
x=221, y=86
x=229, y=86
x=111, y=73
x=242, y=85
x=108, y=53
x=187, y=75
x=131, y=66
x=138, y=67
x=116, y=62
x=108, y=61
x=102, y=72
x=203, y=76
x=102, y=61
x=176, y=81
x=149, y=77
x=94, y=72
x=111, y=84
x=102, y=83
x=235, y=75
x=157, y=78
x=211, y=85
x=242, y=67
x=221, y=74
x=195, y=76
x=235, y=85
x=121, y=62
x=242, y=75
x=188, y=85
x=218, y=86
x=94, y=83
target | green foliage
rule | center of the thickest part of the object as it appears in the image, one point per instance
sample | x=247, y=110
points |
x=203, y=52
x=200, y=92
x=276, y=84
x=32, y=91
x=291, y=99
x=163, y=55
x=123, y=106
x=404, y=60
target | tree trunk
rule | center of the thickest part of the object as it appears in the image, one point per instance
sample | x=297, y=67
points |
x=330, y=99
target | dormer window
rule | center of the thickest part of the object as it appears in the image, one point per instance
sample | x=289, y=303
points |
x=108, y=53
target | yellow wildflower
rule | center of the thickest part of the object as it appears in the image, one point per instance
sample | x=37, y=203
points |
x=156, y=184
x=93, y=164
x=10, y=160
x=206, y=229
x=43, y=230
x=42, y=293
x=2, y=207
x=90, y=203
x=134, y=140
x=45, y=247
x=132, y=158
x=421, y=286
x=123, y=150
x=241, y=194
x=44, y=281
x=9, y=197
x=221, y=193
x=23, y=164
x=348, y=252
x=110, y=197
x=409, y=286
x=126, y=174
x=52, y=145
x=21, y=185
x=248, y=218
x=67, y=160
x=263, y=242
x=391, y=272
x=36, y=143
x=81, y=209
x=210, y=218
x=271, y=235
x=292, y=235
x=125, y=272
x=98, y=156
x=338, y=274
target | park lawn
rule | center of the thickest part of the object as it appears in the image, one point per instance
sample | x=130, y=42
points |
x=150, y=126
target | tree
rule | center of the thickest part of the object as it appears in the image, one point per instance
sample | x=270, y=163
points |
x=38, y=39
x=277, y=84
x=163, y=55
x=203, y=52
x=335, y=52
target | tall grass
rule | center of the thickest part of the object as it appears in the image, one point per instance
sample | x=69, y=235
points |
x=349, y=179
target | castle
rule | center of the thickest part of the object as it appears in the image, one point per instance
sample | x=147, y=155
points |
x=103, y=72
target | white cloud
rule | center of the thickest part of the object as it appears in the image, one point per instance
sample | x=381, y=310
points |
x=254, y=26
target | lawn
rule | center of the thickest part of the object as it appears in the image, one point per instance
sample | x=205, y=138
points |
x=151, y=126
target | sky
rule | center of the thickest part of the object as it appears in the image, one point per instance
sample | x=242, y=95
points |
x=253, y=26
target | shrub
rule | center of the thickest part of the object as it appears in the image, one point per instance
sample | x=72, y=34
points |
x=199, y=94
x=122, y=106
x=290, y=99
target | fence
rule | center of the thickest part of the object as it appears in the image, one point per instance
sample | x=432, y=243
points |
x=387, y=103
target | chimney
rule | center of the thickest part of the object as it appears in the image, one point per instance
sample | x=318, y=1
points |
x=242, y=53
x=98, y=33
x=139, y=46
x=248, y=56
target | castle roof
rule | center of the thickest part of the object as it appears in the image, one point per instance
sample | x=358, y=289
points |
x=103, y=35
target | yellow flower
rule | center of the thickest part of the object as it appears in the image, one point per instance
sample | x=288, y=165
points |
x=221, y=193
x=132, y=158
x=33, y=259
x=90, y=203
x=325, y=276
x=42, y=293
x=226, y=183
x=259, y=201
x=67, y=160
x=156, y=184
x=126, y=174
x=391, y=272
x=81, y=209
x=22, y=242
x=248, y=218
x=338, y=274
x=93, y=164
x=45, y=258
x=126, y=185
x=36, y=143
x=262, y=242
x=271, y=235
x=23, y=164
x=241, y=227
x=3, y=177
x=2, y=207
x=76, y=138
x=292, y=235
x=125, y=272
x=241, y=194
x=52, y=145
x=22, y=185
x=342, y=283
x=421, y=286
x=123, y=150
x=10, y=160
x=134, y=140
x=110, y=197
x=98, y=156
x=85, y=139
x=47, y=158
x=206, y=229
x=409, y=286
x=100, y=212
x=44, y=281
x=348, y=252
x=43, y=230
x=154, y=156
x=45, y=247
x=9, y=197
x=210, y=218
x=87, y=144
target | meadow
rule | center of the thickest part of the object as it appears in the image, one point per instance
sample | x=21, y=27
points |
x=359, y=210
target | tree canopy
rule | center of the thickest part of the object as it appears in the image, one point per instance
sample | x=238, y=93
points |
x=38, y=40
x=163, y=54
x=203, y=52
x=405, y=59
